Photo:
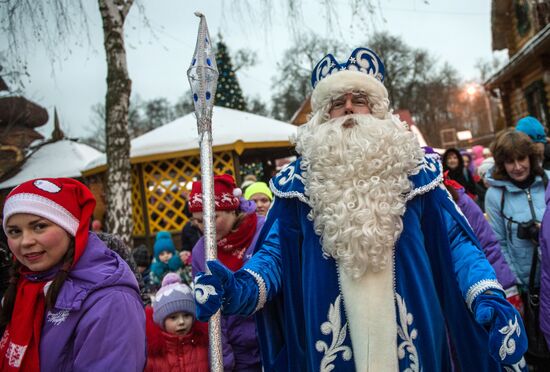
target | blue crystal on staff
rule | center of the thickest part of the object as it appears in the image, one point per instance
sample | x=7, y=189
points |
x=203, y=74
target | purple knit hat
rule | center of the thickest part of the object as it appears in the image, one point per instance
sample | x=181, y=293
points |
x=172, y=297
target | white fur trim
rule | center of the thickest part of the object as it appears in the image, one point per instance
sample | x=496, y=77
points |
x=345, y=81
x=40, y=206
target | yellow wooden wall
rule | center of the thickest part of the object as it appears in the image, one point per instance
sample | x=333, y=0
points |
x=165, y=185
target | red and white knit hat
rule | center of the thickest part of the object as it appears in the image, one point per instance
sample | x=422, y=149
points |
x=64, y=201
x=226, y=194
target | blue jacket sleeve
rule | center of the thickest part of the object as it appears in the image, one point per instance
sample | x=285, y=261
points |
x=474, y=273
x=111, y=336
x=261, y=274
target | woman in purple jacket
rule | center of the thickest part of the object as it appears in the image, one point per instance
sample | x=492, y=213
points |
x=487, y=239
x=237, y=229
x=72, y=303
x=544, y=240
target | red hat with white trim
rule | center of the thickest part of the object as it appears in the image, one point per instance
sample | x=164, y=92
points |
x=226, y=194
x=63, y=201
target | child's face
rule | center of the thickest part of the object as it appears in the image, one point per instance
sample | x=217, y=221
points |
x=165, y=256
x=178, y=323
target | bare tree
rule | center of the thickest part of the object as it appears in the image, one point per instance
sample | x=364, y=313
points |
x=292, y=84
x=365, y=14
x=25, y=20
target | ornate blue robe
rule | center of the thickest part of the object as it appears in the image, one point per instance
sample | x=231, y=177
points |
x=439, y=270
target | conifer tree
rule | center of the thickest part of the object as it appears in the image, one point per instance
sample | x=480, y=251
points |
x=228, y=92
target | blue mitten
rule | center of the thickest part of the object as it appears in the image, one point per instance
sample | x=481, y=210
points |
x=235, y=293
x=507, y=337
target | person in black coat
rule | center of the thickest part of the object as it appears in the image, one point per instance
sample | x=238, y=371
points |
x=190, y=233
x=454, y=165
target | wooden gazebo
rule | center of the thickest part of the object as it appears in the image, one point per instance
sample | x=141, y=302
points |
x=166, y=160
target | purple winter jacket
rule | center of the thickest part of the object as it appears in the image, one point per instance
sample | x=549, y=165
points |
x=544, y=240
x=241, y=351
x=487, y=238
x=98, y=323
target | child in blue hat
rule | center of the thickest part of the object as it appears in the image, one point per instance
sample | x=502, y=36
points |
x=165, y=260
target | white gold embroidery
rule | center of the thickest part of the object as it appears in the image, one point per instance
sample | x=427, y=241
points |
x=289, y=194
x=262, y=291
x=291, y=169
x=508, y=346
x=339, y=333
x=405, y=320
x=428, y=162
x=15, y=354
x=57, y=318
x=518, y=367
x=424, y=189
x=203, y=292
x=480, y=287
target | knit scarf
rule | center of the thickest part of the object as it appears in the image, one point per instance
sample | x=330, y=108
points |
x=19, y=346
x=231, y=247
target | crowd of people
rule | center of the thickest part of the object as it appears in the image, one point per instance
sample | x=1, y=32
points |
x=367, y=253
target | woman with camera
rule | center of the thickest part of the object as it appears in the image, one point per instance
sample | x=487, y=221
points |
x=515, y=205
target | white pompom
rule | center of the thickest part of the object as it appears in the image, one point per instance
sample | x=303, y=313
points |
x=237, y=192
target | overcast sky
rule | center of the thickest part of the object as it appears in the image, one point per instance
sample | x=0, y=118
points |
x=158, y=57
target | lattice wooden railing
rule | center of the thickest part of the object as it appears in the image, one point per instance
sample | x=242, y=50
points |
x=165, y=187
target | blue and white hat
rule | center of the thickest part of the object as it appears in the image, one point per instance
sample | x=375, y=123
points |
x=362, y=71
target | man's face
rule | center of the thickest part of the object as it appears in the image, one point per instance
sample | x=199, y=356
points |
x=349, y=103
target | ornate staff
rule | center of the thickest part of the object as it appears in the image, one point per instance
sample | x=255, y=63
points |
x=203, y=78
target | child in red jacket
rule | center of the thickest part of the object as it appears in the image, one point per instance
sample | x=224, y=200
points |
x=175, y=342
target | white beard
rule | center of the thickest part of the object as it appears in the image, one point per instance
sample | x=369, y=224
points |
x=356, y=179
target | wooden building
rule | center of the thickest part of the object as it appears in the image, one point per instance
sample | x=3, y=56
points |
x=18, y=119
x=165, y=161
x=522, y=27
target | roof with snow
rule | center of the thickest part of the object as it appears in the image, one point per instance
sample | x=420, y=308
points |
x=62, y=158
x=233, y=129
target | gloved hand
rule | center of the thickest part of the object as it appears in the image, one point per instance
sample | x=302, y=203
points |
x=513, y=297
x=507, y=337
x=222, y=289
